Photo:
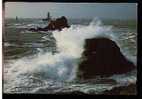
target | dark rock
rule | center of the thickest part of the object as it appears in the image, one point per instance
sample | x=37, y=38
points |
x=122, y=90
x=32, y=29
x=58, y=24
x=98, y=81
x=102, y=57
x=42, y=29
x=71, y=93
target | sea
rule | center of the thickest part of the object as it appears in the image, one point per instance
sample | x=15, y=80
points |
x=45, y=62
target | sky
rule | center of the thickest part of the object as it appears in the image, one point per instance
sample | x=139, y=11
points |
x=71, y=10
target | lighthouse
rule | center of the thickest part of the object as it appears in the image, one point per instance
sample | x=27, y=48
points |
x=48, y=17
x=16, y=18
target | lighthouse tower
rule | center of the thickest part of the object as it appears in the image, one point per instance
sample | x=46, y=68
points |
x=48, y=16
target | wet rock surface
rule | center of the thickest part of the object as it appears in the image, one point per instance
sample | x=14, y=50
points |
x=102, y=57
x=122, y=90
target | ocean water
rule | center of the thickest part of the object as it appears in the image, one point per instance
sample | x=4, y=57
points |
x=46, y=62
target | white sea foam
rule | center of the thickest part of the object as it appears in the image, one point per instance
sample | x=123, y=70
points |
x=70, y=43
x=63, y=65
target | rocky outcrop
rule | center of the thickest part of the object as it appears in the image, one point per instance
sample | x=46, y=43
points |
x=122, y=90
x=102, y=57
x=57, y=24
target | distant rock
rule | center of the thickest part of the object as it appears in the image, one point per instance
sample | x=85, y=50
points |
x=57, y=24
x=102, y=57
x=32, y=29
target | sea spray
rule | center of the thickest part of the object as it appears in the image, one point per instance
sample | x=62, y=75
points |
x=70, y=42
x=61, y=66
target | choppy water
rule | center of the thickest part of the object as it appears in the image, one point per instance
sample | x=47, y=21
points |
x=46, y=62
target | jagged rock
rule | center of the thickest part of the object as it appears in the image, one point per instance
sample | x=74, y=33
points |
x=57, y=24
x=102, y=57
